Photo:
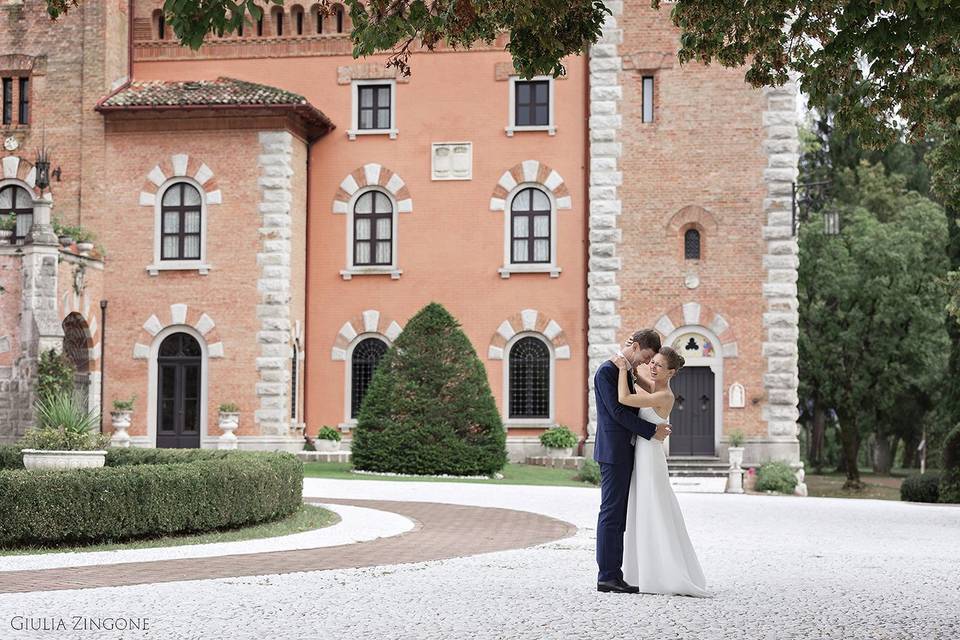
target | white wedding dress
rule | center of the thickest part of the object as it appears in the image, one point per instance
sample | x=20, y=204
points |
x=657, y=554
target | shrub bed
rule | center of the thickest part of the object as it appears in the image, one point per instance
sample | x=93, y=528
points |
x=921, y=488
x=776, y=476
x=949, y=489
x=146, y=493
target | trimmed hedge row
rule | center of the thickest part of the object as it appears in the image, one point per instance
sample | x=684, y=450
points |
x=146, y=493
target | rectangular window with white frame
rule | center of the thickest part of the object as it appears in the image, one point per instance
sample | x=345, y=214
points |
x=374, y=108
x=531, y=105
x=647, y=93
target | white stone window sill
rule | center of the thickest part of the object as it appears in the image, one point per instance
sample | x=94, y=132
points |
x=532, y=423
x=510, y=269
x=393, y=272
x=346, y=427
x=550, y=129
x=178, y=265
x=353, y=133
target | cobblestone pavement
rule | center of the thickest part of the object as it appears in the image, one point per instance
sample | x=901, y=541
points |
x=779, y=567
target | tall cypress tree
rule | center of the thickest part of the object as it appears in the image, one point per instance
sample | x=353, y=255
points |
x=429, y=409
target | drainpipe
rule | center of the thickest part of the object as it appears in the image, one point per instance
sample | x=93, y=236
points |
x=103, y=354
x=306, y=292
x=586, y=244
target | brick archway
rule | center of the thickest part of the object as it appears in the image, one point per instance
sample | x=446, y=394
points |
x=180, y=165
x=533, y=321
x=692, y=215
x=369, y=321
x=82, y=306
x=697, y=314
x=16, y=168
x=372, y=175
x=178, y=314
x=532, y=171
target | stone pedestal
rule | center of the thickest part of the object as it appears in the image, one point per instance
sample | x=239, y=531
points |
x=120, y=421
x=228, y=423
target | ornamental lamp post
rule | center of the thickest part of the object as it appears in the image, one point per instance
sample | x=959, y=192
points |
x=42, y=166
x=831, y=222
x=807, y=195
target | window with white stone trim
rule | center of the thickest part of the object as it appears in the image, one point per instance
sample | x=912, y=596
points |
x=374, y=110
x=529, y=381
x=530, y=232
x=531, y=106
x=180, y=227
x=17, y=203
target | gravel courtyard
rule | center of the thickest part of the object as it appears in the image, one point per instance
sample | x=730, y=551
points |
x=780, y=567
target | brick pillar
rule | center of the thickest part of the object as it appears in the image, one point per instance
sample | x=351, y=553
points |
x=603, y=292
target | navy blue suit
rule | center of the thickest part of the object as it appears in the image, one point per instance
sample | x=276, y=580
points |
x=616, y=425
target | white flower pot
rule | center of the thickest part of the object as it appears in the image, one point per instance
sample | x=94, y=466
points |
x=6, y=236
x=40, y=459
x=228, y=423
x=84, y=247
x=120, y=421
x=327, y=445
x=736, y=457
x=553, y=452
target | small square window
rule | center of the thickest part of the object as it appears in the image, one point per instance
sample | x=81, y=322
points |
x=531, y=105
x=374, y=109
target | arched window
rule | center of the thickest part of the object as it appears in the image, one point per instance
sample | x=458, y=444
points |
x=338, y=16
x=17, y=201
x=180, y=222
x=277, y=20
x=260, y=25
x=530, y=227
x=366, y=357
x=529, y=379
x=691, y=244
x=318, y=16
x=159, y=25
x=373, y=230
x=296, y=17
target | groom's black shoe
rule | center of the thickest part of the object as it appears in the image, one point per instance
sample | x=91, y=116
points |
x=616, y=586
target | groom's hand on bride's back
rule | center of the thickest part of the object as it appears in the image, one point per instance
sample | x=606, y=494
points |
x=663, y=430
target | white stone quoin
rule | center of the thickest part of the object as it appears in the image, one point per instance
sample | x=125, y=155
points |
x=603, y=294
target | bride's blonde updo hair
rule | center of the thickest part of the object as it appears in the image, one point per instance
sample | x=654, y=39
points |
x=674, y=359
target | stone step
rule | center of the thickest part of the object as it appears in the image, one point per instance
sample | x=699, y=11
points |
x=323, y=456
x=568, y=462
x=698, y=485
x=699, y=473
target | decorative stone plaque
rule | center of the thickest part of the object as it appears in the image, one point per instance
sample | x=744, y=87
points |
x=452, y=160
x=736, y=396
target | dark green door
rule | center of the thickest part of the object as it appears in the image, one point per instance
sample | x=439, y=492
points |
x=692, y=418
x=178, y=392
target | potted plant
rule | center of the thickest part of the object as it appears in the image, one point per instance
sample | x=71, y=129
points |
x=120, y=419
x=64, y=436
x=7, y=226
x=84, y=239
x=559, y=441
x=228, y=421
x=328, y=439
x=736, y=449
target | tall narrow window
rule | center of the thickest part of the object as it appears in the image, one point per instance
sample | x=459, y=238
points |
x=373, y=106
x=240, y=29
x=338, y=12
x=180, y=223
x=647, y=98
x=529, y=393
x=297, y=15
x=366, y=357
x=293, y=379
x=7, y=100
x=278, y=19
x=373, y=230
x=532, y=103
x=260, y=25
x=162, y=28
x=16, y=201
x=318, y=17
x=691, y=244
x=23, y=115
x=530, y=227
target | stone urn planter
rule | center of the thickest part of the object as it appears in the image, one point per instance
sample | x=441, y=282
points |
x=228, y=422
x=84, y=247
x=736, y=457
x=47, y=459
x=328, y=439
x=120, y=421
x=327, y=445
x=559, y=452
x=65, y=241
x=6, y=236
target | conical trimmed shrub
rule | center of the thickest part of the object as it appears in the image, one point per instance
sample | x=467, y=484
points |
x=429, y=409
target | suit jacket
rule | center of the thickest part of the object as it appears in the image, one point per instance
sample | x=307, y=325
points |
x=616, y=423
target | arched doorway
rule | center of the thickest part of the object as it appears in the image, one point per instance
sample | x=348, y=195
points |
x=696, y=415
x=76, y=345
x=179, y=361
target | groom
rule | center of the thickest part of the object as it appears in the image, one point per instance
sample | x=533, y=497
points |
x=617, y=426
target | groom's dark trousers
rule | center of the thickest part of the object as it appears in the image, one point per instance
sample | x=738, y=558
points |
x=616, y=425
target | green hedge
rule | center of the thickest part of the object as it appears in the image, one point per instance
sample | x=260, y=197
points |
x=776, y=476
x=921, y=488
x=950, y=476
x=146, y=493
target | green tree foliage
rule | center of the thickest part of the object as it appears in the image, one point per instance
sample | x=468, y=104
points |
x=542, y=32
x=54, y=375
x=950, y=477
x=429, y=409
x=872, y=326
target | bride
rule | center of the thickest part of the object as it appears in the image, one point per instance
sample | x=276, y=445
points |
x=658, y=556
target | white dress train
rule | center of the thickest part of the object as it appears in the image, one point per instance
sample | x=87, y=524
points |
x=657, y=553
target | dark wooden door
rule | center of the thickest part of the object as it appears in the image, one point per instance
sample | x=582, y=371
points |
x=692, y=418
x=178, y=392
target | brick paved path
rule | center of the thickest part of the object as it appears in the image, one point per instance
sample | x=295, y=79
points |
x=442, y=531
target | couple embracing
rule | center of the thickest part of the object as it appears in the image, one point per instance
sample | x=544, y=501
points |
x=642, y=541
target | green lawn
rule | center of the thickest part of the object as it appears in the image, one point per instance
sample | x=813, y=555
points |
x=830, y=485
x=512, y=474
x=308, y=517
